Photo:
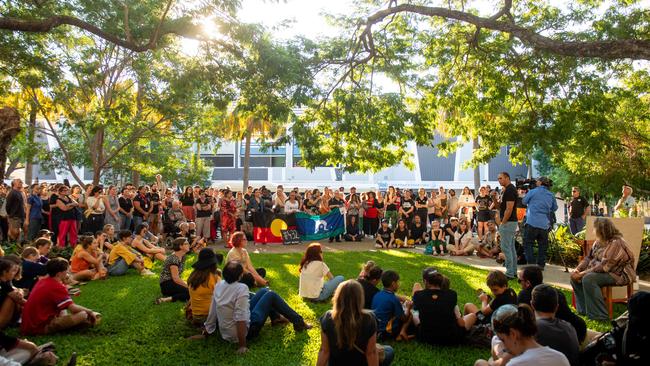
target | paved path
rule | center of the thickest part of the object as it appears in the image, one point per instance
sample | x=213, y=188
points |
x=553, y=274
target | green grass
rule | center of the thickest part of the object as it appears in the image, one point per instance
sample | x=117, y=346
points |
x=134, y=331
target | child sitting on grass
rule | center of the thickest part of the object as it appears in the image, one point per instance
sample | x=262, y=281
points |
x=436, y=245
x=32, y=269
x=86, y=263
x=43, y=245
x=392, y=319
x=122, y=257
x=498, y=284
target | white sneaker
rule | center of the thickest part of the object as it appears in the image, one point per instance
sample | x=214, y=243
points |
x=146, y=272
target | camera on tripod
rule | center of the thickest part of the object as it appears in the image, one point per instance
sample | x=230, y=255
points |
x=528, y=184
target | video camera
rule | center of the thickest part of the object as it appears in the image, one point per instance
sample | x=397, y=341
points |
x=528, y=184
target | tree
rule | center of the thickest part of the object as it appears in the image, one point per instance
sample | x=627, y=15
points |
x=9, y=128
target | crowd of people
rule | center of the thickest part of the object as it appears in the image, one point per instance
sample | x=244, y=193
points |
x=141, y=225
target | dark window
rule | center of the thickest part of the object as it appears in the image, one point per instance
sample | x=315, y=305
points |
x=278, y=161
x=219, y=161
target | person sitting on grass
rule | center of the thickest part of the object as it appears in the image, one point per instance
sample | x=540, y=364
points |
x=436, y=245
x=369, y=278
x=489, y=246
x=104, y=245
x=43, y=312
x=418, y=231
x=109, y=230
x=43, y=245
x=185, y=231
x=32, y=269
x=464, y=244
x=349, y=333
x=384, y=237
x=516, y=328
x=392, y=320
x=149, y=251
x=532, y=276
x=401, y=235
x=172, y=285
x=17, y=352
x=86, y=262
x=201, y=285
x=497, y=282
x=352, y=232
x=252, y=276
x=11, y=298
x=439, y=321
x=312, y=273
x=239, y=317
x=123, y=257
x=551, y=331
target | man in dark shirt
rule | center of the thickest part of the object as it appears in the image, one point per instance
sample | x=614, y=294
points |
x=507, y=221
x=369, y=283
x=578, y=211
x=15, y=207
x=531, y=276
x=551, y=331
x=450, y=229
x=417, y=231
x=141, y=206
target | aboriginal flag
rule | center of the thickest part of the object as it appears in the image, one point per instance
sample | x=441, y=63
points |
x=268, y=226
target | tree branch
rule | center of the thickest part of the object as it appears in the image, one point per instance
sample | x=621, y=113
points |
x=47, y=24
x=636, y=49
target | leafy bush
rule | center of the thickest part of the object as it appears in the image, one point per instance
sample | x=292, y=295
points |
x=562, y=242
x=643, y=268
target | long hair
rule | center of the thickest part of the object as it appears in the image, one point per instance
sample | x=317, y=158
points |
x=314, y=252
x=200, y=277
x=347, y=313
x=605, y=229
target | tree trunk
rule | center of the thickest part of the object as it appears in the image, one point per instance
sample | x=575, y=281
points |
x=136, y=178
x=31, y=132
x=9, y=128
x=529, y=174
x=247, y=159
x=477, y=168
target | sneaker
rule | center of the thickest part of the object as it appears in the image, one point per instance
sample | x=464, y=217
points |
x=146, y=272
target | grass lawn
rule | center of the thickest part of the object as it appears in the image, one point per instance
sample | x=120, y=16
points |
x=135, y=331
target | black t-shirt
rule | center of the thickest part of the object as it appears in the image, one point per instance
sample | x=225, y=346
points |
x=391, y=207
x=69, y=214
x=203, y=213
x=438, y=323
x=31, y=270
x=509, y=195
x=369, y=292
x=336, y=202
x=187, y=200
x=144, y=204
x=365, y=331
x=401, y=234
x=452, y=238
x=155, y=201
x=578, y=206
x=125, y=203
x=483, y=203
x=421, y=201
x=5, y=288
x=15, y=204
x=564, y=312
x=407, y=204
x=509, y=296
x=384, y=234
x=418, y=231
x=352, y=229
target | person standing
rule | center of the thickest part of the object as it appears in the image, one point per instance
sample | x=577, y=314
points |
x=625, y=203
x=452, y=204
x=111, y=216
x=15, y=206
x=578, y=210
x=507, y=221
x=34, y=210
x=541, y=206
x=141, y=206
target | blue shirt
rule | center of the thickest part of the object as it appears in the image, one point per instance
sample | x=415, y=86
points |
x=386, y=306
x=541, y=203
x=36, y=205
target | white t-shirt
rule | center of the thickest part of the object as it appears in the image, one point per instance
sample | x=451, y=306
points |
x=540, y=356
x=100, y=207
x=290, y=207
x=312, y=279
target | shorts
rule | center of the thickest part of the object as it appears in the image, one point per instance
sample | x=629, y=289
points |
x=483, y=216
x=16, y=222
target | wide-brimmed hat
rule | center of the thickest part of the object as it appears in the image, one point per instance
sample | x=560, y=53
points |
x=207, y=257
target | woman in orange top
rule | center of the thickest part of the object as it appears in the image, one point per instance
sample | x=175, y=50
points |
x=201, y=285
x=85, y=263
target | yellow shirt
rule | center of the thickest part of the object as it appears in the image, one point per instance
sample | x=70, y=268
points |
x=201, y=298
x=120, y=250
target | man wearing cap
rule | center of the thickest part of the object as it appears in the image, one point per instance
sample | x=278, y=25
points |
x=541, y=204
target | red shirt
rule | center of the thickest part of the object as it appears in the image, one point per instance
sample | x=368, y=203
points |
x=45, y=302
x=371, y=212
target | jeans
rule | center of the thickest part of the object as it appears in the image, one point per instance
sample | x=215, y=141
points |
x=137, y=220
x=329, y=287
x=125, y=222
x=119, y=268
x=266, y=303
x=507, y=232
x=589, y=298
x=34, y=227
x=531, y=235
x=576, y=225
x=389, y=354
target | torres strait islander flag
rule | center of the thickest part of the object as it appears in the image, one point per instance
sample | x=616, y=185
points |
x=316, y=227
x=268, y=226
